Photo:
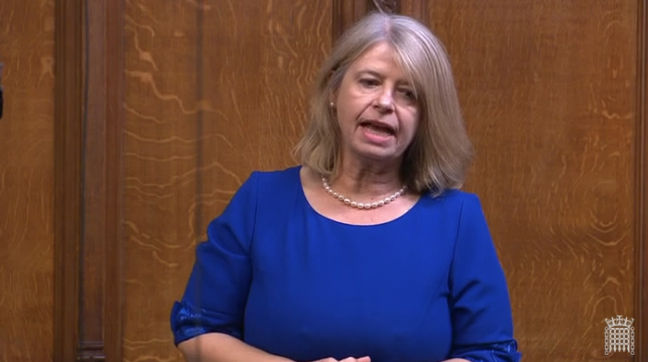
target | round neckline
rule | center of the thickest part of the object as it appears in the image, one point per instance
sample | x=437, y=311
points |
x=329, y=219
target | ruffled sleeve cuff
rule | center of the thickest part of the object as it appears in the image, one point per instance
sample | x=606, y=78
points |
x=188, y=321
x=496, y=352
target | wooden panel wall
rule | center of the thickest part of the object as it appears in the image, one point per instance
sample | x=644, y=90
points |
x=549, y=95
x=186, y=98
x=214, y=90
x=100, y=268
x=26, y=179
x=548, y=91
x=160, y=171
x=68, y=181
x=641, y=176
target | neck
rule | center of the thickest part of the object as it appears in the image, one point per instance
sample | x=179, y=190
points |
x=367, y=180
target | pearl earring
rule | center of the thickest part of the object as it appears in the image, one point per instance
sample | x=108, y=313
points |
x=332, y=104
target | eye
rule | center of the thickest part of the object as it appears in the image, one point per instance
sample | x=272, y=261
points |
x=407, y=94
x=369, y=82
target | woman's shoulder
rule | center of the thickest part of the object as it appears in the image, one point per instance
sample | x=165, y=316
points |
x=287, y=174
x=455, y=197
x=450, y=205
x=275, y=182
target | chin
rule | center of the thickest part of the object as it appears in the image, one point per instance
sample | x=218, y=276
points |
x=382, y=155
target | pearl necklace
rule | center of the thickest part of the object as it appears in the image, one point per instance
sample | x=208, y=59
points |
x=360, y=205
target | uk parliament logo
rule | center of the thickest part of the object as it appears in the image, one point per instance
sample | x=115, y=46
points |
x=619, y=335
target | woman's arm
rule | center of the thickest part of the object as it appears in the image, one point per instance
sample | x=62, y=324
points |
x=481, y=312
x=207, y=323
x=220, y=347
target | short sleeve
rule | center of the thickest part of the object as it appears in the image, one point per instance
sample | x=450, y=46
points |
x=480, y=306
x=216, y=293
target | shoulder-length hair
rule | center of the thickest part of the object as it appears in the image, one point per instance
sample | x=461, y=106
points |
x=440, y=153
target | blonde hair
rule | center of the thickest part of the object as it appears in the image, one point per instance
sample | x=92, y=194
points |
x=440, y=153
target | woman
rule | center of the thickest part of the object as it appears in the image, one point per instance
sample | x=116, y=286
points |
x=367, y=252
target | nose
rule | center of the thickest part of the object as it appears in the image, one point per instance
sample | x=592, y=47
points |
x=384, y=102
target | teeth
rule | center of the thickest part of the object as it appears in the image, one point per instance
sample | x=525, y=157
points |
x=379, y=129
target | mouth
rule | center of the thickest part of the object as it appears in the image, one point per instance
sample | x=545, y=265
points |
x=378, y=128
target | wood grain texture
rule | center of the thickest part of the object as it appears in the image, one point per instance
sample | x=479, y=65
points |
x=100, y=294
x=214, y=89
x=346, y=12
x=92, y=251
x=115, y=120
x=26, y=178
x=159, y=156
x=548, y=92
x=68, y=185
x=641, y=183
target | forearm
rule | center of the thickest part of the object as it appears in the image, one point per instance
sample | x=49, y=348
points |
x=220, y=347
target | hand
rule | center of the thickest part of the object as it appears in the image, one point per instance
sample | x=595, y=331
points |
x=348, y=359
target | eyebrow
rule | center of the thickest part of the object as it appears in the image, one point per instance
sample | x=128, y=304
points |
x=370, y=72
x=403, y=82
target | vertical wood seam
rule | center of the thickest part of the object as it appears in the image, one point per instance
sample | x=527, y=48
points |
x=87, y=349
x=115, y=83
x=641, y=177
x=200, y=85
x=68, y=116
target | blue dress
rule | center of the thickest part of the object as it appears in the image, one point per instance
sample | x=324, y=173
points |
x=424, y=287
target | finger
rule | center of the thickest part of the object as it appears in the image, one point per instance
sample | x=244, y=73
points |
x=364, y=359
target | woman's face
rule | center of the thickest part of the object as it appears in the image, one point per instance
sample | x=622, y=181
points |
x=376, y=108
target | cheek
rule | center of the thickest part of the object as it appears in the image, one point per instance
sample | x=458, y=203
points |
x=412, y=121
x=347, y=110
x=342, y=114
